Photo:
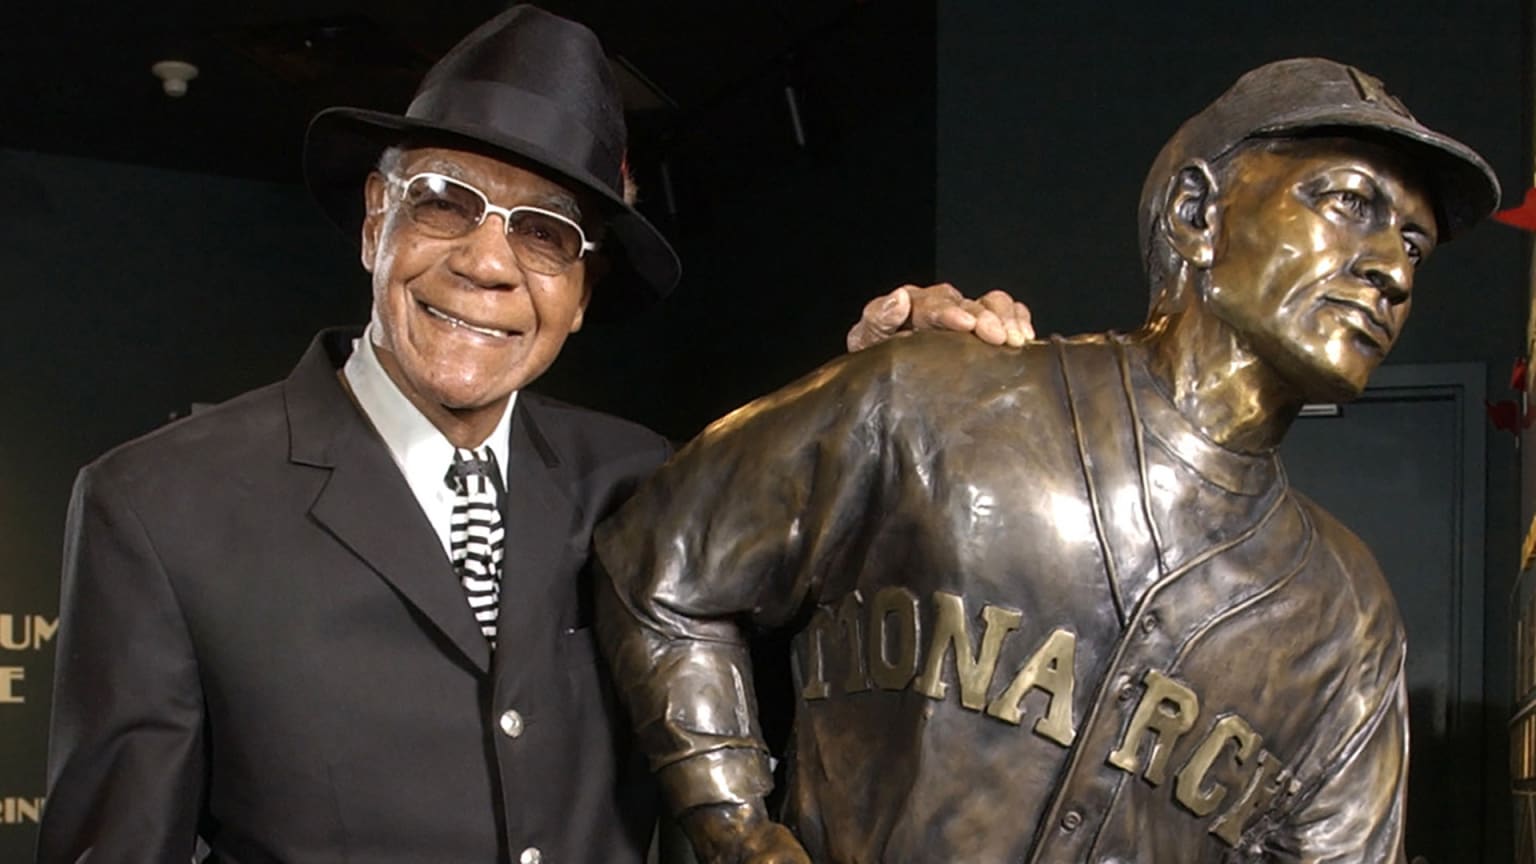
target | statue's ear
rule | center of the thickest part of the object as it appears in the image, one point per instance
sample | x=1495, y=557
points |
x=1190, y=213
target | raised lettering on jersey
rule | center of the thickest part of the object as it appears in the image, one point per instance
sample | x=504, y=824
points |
x=1190, y=789
x=813, y=670
x=850, y=614
x=951, y=635
x=1052, y=669
x=899, y=603
x=1167, y=710
x=1269, y=779
x=879, y=642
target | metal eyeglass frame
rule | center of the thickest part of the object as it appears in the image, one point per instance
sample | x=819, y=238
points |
x=488, y=208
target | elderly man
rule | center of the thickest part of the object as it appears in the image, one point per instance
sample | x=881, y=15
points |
x=1059, y=604
x=308, y=625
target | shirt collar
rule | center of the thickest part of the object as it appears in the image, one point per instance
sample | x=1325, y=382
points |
x=1239, y=473
x=422, y=452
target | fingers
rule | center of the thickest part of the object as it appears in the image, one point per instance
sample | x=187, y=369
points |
x=940, y=307
x=948, y=310
x=1012, y=316
x=881, y=319
x=959, y=316
x=995, y=318
x=989, y=328
x=1025, y=319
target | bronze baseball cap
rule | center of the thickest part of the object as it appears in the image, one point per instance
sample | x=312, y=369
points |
x=1312, y=96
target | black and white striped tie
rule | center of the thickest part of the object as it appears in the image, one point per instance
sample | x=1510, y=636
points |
x=475, y=532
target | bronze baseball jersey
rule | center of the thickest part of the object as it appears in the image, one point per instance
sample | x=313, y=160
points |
x=1039, y=617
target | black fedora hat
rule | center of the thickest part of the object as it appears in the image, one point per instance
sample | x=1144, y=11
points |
x=529, y=86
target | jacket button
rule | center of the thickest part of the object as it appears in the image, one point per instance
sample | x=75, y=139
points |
x=1071, y=820
x=531, y=855
x=512, y=726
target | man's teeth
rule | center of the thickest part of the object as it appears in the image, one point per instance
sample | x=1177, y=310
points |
x=438, y=313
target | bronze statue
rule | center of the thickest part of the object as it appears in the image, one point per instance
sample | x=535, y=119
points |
x=1058, y=603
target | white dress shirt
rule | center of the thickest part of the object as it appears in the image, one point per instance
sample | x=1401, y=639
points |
x=421, y=451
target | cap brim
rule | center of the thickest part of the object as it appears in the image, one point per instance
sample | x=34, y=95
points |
x=343, y=145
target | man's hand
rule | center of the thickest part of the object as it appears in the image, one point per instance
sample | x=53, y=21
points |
x=740, y=834
x=996, y=318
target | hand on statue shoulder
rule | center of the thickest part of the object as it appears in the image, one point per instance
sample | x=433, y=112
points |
x=995, y=317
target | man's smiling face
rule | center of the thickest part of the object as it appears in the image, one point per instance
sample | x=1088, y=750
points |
x=1316, y=256
x=459, y=322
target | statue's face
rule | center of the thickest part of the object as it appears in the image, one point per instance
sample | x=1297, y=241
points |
x=1315, y=253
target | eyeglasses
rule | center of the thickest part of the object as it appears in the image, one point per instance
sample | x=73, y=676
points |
x=543, y=241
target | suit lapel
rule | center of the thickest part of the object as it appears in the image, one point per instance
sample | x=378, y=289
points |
x=540, y=517
x=366, y=504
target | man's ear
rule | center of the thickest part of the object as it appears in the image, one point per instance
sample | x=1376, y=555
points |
x=375, y=193
x=1190, y=214
x=594, y=268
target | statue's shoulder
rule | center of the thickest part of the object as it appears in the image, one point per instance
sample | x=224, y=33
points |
x=950, y=356
x=937, y=376
x=1361, y=584
x=940, y=368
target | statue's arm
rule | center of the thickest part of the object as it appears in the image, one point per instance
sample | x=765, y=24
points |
x=733, y=536
x=1357, y=813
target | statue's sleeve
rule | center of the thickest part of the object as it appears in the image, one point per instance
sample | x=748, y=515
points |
x=734, y=535
x=1356, y=815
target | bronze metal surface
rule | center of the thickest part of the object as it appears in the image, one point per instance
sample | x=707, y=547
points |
x=1058, y=603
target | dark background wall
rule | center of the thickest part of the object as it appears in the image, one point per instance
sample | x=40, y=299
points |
x=995, y=144
x=1049, y=116
x=126, y=294
x=781, y=244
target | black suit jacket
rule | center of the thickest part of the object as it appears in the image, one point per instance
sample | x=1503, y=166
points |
x=262, y=641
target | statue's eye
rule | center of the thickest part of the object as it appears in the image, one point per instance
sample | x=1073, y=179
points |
x=1349, y=202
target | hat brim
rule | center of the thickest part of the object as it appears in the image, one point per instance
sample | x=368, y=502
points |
x=343, y=145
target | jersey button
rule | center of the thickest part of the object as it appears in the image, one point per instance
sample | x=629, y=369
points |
x=1071, y=820
x=1149, y=623
x=1124, y=690
x=511, y=724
